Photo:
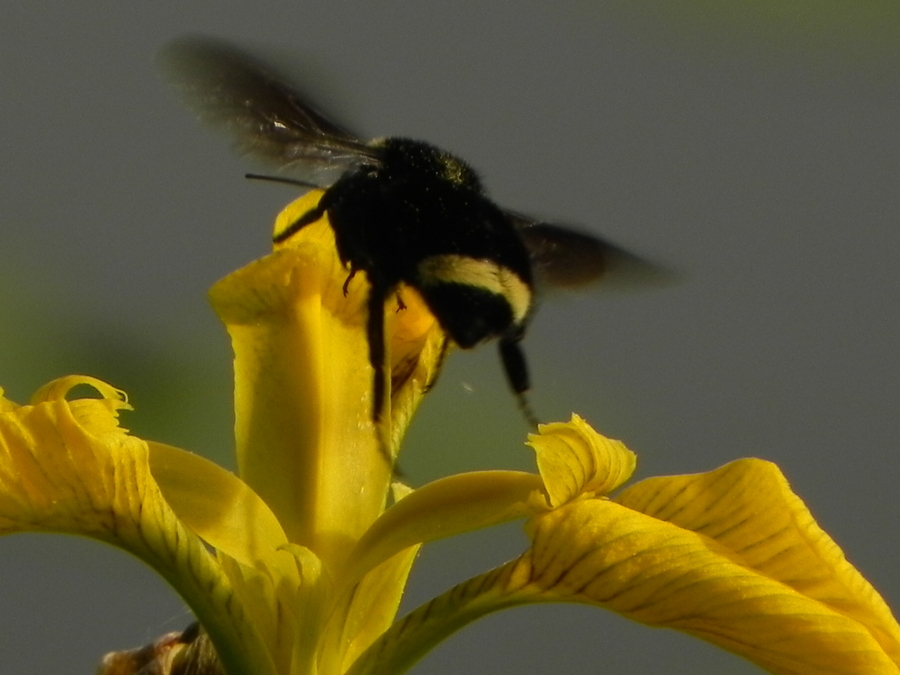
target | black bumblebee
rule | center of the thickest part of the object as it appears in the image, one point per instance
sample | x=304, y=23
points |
x=402, y=210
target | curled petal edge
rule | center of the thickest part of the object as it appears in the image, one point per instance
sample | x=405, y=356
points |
x=66, y=467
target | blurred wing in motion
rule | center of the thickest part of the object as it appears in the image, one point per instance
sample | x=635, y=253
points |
x=565, y=258
x=265, y=114
x=271, y=121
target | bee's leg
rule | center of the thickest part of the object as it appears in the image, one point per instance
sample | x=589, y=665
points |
x=378, y=359
x=377, y=355
x=517, y=373
x=307, y=218
x=347, y=281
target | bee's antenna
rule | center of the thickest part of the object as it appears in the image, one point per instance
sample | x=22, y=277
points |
x=281, y=179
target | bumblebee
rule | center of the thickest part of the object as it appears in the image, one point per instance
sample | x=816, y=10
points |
x=402, y=210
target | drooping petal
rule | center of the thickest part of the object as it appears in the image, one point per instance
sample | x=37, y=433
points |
x=748, y=507
x=67, y=467
x=660, y=574
x=766, y=583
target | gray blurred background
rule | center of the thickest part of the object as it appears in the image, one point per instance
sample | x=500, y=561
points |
x=755, y=149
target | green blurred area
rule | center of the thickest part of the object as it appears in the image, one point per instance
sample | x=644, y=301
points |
x=179, y=382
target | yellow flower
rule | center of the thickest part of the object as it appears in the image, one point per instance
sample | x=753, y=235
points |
x=297, y=565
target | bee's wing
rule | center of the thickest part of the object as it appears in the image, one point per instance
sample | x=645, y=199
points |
x=565, y=258
x=265, y=114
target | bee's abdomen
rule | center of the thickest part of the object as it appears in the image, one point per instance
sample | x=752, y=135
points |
x=474, y=299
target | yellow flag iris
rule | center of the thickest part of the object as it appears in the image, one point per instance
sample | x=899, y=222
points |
x=297, y=564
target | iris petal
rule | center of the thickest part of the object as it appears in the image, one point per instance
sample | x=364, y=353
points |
x=66, y=467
